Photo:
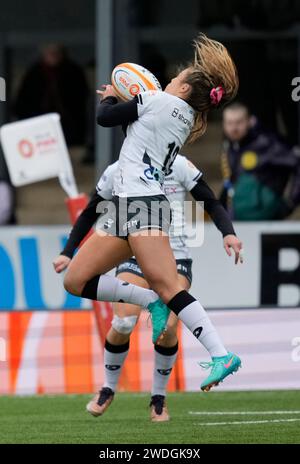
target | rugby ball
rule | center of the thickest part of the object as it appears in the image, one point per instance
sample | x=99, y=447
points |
x=130, y=79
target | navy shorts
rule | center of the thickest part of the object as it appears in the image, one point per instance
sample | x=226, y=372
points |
x=184, y=267
x=121, y=217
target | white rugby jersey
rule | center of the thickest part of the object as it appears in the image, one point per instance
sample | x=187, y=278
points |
x=152, y=143
x=181, y=179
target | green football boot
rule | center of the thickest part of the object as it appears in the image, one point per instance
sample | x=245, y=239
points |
x=159, y=315
x=220, y=369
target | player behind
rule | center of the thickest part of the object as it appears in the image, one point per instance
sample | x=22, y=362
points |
x=183, y=177
x=137, y=219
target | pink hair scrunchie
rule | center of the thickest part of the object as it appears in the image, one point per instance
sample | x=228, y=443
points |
x=216, y=95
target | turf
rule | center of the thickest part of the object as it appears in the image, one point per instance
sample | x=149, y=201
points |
x=62, y=419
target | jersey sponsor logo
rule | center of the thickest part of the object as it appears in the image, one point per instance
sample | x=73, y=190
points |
x=180, y=116
x=170, y=190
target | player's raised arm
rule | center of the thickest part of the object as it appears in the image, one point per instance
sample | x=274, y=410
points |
x=202, y=192
x=81, y=228
x=111, y=113
x=87, y=218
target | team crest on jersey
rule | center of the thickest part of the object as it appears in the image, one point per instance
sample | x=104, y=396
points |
x=152, y=173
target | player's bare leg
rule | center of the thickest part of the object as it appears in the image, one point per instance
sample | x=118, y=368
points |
x=86, y=277
x=156, y=259
x=98, y=255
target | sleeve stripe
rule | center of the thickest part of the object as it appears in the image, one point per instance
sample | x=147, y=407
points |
x=199, y=175
x=140, y=99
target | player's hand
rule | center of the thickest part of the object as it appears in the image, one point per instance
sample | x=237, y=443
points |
x=61, y=263
x=107, y=92
x=232, y=242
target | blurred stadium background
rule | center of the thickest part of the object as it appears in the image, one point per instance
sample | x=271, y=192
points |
x=52, y=339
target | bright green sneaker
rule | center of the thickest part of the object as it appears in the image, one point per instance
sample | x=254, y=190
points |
x=220, y=369
x=159, y=314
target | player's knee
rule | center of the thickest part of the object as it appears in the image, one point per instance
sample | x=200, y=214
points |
x=124, y=325
x=71, y=285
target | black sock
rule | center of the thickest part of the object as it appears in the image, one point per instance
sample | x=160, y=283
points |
x=166, y=350
x=180, y=301
x=91, y=288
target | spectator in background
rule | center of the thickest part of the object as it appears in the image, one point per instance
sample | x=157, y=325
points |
x=56, y=84
x=257, y=167
x=7, y=196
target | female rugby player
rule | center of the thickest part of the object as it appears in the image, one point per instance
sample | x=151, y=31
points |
x=159, y=124
x=184, y=177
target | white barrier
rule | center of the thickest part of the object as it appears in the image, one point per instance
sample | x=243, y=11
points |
x=268, y=342
x=270, y=274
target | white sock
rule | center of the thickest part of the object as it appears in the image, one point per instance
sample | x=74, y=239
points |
x=164, y=362
x=114, y=358
x=115, y=290
x=194, y=317
x=197, y=321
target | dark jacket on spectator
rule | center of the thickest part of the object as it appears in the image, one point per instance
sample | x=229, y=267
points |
x=258, y=169
x=62, y=89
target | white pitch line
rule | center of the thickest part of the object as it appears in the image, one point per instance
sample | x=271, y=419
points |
x=240, y=413
x=247, y=422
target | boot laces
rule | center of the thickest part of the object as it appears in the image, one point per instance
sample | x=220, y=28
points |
x=207, y=365
x=105, y=394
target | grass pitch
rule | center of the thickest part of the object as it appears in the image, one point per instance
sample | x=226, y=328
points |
x=196, y=418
